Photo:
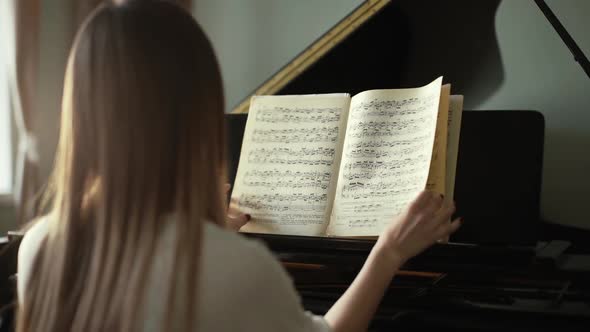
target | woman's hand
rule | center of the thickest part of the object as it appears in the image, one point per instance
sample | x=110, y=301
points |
x=234, y=218
x=424, y=221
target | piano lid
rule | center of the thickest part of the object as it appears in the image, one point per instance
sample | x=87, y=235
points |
x=315, y=51
x=396, y=44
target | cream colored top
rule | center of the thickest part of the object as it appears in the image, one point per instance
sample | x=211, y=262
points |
x=242, y=287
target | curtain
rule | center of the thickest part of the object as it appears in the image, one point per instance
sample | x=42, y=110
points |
x=23, y=80
x=23, y=85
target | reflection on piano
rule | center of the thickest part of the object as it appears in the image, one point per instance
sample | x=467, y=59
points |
x=503, y=271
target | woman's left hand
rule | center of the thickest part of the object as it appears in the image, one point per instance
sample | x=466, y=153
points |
x=234, y=218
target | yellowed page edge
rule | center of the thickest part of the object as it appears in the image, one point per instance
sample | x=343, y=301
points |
x=454, y=134
x=436, y=176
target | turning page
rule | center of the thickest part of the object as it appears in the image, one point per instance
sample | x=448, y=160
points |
x=385, y=159
x=289, y=161
x=438, y=163
x=454, y=133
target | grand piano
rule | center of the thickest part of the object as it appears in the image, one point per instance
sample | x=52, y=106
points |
x=506, y=269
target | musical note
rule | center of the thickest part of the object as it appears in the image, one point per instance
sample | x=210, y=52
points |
x=374, y=129
x=291, y=156
x=299, y=115
x=379, y=173
x=303, y=135
x=276, y=180
x=363, y=222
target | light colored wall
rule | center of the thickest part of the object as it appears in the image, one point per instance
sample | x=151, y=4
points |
x=55, y=44
x=540, y=74
x=254, y=38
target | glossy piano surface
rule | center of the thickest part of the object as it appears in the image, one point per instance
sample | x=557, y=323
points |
x=450, y=286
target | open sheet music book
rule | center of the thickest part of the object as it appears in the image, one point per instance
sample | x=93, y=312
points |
x=332, y=165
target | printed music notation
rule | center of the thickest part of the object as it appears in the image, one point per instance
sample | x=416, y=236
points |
x=386, y=144
x=382, y=166
x=275, y=179
x=385, y=161
x=286, y=164
x=379, y=174
x=303, y=135
x=372, y=129
x=364, y=193
x=299, y=115
x=283, y=202
x=292, y=156
x=354, y=187
x=369, y=208
x=381, y=153
x=390, y=108
x=362, y=223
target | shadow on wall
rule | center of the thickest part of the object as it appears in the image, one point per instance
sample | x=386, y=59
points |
x=408, y=44
x=456, y=39
x=563, y=198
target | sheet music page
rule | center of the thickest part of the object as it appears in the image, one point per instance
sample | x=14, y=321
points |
x=385, y=159
x=437, y=174
x=289, y=162
x=454, y=133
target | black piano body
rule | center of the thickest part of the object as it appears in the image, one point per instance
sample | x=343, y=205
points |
x=505, y=270
x=499, y=277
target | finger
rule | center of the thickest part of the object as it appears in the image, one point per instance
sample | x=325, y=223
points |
x=234, y=200
x=455, y=225
x=420, y=201
x=239, y=218
x=237, y=221
x=233, y=211
x=446, y=229
x=433, y=205
x=445, y=212
x=437, y=199
x=444, y=239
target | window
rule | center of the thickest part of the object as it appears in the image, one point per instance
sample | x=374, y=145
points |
x=6, y=156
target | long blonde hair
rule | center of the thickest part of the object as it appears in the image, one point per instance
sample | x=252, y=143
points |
x=142, y=137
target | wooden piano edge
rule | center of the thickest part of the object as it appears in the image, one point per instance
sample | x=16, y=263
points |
x=316, y=267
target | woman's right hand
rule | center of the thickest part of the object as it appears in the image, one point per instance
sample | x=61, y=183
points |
x=424, y=222
x=421, y=224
